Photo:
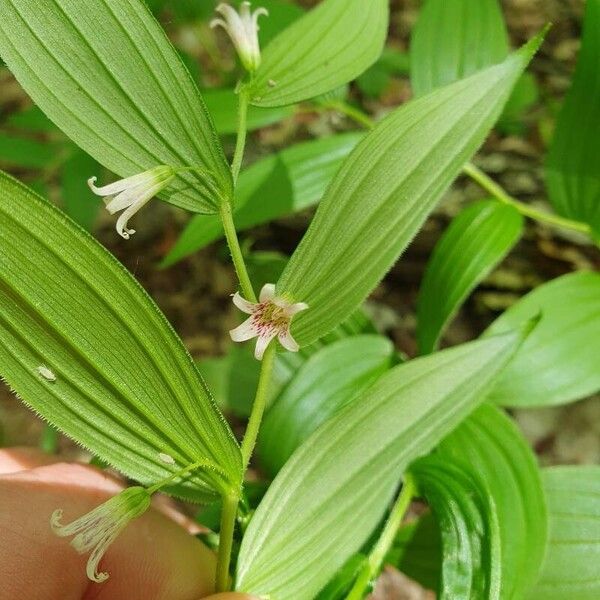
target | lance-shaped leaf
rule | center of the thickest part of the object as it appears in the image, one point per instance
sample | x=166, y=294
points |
x=476, y=241
x=287, y=182
x=574, y=159
x=326, y=48
x=105, y=73
x=385, y=190
x=86, y=348
x=326, y=382
x=571, y=565
x=324, y=503
x=559, y=362
x=452, y=40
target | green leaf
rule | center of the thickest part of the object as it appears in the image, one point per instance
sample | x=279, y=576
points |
x=124, y=385
x=571, y=566
x=17, y=151
x=324, y=503
x=574, y=158
x=385, y=190
x=417, y=551
x=488, y=445
x=290, y=181
x=78, y=201
x=474, y=243
x=452, y=40
x=326, y=382
x=223, y=107
x=105, y=73
x=469, y=528
x=559, y=362
x=326, y=48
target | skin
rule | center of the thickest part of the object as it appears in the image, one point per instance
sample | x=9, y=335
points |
x=155, y=558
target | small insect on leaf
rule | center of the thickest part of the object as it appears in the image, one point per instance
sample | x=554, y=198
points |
x=46, y=373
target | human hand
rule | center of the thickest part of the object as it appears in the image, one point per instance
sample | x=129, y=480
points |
x=154, y=558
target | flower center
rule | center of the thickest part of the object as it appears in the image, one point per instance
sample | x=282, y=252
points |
x=270, y=317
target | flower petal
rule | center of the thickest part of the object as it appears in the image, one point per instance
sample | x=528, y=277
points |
x=146, y=195
x=267, y=293
x=288, y=342
x=246, y=331
x=294, y=309
x=117, y=186
x=262, y=342
x=243, y=304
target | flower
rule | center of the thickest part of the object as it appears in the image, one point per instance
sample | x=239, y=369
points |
x=98, y=529
x=243, y=30
x=133, y=193
x=270, y=318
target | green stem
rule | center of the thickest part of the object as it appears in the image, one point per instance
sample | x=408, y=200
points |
x=353, y=113
x=228, y=516
x=500, y=194
x=385, y=541
x=236, y=251
x=260, y=401
x=240, y=144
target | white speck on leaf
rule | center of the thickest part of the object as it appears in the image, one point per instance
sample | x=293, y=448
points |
x=46, y=373
x=166, y=458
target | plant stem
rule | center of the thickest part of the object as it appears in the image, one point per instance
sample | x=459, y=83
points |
x=228, y=515
x=488, y=184
x=260, y=401
x=236, y=251
x=49, y=441
x=240, y=144
x=385, y=541
x=353, y=113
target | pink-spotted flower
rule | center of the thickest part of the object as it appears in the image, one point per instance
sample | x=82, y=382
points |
x=269, y=318
x=98, y=529
x=243, y=29
x=132, y=194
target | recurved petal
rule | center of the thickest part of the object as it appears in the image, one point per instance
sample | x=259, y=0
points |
x=243, y=304
x=117, y=186
x=246, y=331
x=262, y=342
x=288, y=342
x=296, y=308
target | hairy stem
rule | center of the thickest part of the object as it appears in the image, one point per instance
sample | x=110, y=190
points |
x=240, y=145
x=385, y=541
x=260, y=401
x=236, y=252
x=228, y=516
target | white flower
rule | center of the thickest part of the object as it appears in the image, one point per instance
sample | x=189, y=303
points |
x=243, y=30
x=98, y=529
x=270, y=318
x=133, y=193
